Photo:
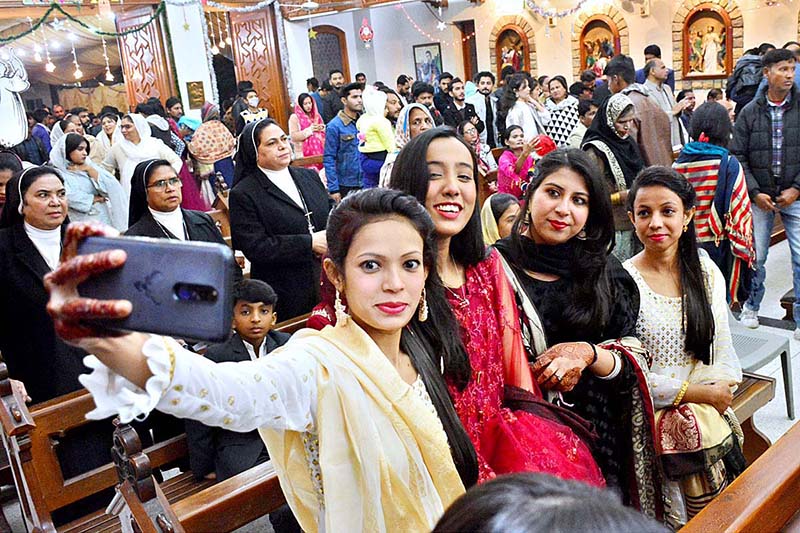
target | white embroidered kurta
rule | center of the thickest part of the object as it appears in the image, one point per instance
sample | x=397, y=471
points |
x=659, y=329
x=530, y=119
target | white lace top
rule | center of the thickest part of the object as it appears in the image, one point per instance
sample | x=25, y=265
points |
x=659, y=329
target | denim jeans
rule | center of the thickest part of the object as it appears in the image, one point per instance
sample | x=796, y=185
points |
x=762, y=228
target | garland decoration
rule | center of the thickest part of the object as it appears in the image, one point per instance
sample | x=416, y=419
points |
x=56, y=7
x=552, y=12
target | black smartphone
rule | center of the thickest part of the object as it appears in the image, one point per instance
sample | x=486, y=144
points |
x=179, y=289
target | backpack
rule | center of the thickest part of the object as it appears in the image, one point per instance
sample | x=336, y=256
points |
x=743, y=83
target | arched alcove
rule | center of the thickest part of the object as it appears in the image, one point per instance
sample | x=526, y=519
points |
x=592, y=24
x=329, y=51
x=726, y=12
x=512, y=27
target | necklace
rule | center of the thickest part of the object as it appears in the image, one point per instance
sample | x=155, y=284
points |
x=460, y=296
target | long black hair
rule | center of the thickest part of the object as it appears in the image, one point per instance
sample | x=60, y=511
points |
x=712, y=119
x=141, y=174
x=509, y=98
x=71, y=143
x=591, y=299
x=410, y=174
x=698, y=320
x=16, y=188
x=430, y=344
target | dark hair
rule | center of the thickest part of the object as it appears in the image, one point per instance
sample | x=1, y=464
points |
x=698, y=320
x=652, y=50
x=483, y=74
x=712, y=119
x=172, y=100
x=157, y=107
x=15, y=191
x=588, y=75
x=445, y=75
x=345, y=91
x=776, y=56
x=621, y=66
x=591, y=295
x=508, y=99
x=72, y=142
x=109, y=109
x=314, y=82
x=454, y=81
x=40, y=115
x=402, y=79
x=790, y=43
x=410, y=174
x=682, y=94
x=64, y=122
x=137, y=205
x=584, y=106
x=388, y=90
x=420, y=87
x=499, y=202
x=560, y=79
x=649, y=66
x=360, y=74
x=530, y=502
x=507, y=71
x=77, y=110
x=302, y=98
x=426, y=343
x=461, y=125
x=506, y=135
x=763, y=48
x=577, y=88
x=112, y=116
x=326, y=86
x=541, y=79
x=254, y=291
x=10, y=161
x=714, y=94
x=334, y=71
x=243, y=87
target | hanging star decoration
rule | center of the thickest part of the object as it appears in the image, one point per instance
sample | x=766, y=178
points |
x=441, y=26
x=311, y=33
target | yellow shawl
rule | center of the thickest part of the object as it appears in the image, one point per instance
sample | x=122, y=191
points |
x=384, y=456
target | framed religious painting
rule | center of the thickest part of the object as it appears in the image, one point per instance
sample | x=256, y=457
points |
x=512, y=49
x=707, y=43
x=428, y=62
x=599, y=42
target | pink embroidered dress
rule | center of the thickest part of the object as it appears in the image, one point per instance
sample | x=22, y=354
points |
x=315, y=144
x=507, y=441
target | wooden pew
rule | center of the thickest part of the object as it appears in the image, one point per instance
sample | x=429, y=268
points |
x=755, y=392
x=765, y=498
x=307, y=161
x=31, y=436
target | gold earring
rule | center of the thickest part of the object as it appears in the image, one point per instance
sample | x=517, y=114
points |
x=686, y=227
x=423, y=307
x=581, y=236
x=341, y=310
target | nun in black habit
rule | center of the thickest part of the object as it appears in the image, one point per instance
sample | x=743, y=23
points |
x=278, y=217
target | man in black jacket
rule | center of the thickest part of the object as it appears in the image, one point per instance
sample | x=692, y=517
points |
x=457, y=110
x=766, y=141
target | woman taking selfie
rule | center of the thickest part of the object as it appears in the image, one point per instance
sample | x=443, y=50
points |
x=580, y=308
x=440, y=170
x=683, y=322
x=368, y=388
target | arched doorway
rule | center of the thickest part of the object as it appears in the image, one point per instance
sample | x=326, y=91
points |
x=516, y=31
x=599, y=42
x=328, y=52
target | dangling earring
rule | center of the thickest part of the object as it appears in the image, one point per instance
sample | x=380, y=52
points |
x=581, y=236
x=341, y=310
x=686, y=227
x=423, y=307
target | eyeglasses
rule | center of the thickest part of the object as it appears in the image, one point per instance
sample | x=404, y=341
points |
x=161, y=185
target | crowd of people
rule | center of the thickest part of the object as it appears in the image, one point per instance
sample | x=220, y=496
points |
x=575, y=324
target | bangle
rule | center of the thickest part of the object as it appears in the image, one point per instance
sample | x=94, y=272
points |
x=681, y=394
x=594, y=349
x=616, y=198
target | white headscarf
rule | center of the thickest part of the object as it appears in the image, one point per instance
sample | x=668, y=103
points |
x=148, y=148
x=106, y=184
x=56, y=133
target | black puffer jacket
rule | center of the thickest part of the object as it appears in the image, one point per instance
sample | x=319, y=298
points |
x=752, y=146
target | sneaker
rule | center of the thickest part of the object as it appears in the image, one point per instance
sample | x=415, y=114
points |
x=749, y=318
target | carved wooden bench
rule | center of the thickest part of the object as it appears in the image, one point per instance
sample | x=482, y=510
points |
x=31, y=438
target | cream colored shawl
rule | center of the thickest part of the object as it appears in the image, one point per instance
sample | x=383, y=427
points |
x=384, y=456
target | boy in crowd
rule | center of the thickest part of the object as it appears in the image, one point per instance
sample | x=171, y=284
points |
x=587, y=109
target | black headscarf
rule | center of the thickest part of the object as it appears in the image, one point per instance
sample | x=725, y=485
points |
x=246, y=159
x=138, y=203
x=626, y=151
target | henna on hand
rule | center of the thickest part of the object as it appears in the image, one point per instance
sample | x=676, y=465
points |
x=560, y=367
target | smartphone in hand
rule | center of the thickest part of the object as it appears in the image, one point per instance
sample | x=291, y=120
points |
x=179, y=289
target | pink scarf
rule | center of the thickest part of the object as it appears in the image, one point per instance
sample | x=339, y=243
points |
x=314, y=145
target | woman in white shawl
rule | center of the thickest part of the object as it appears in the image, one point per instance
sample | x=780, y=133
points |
x=133, y=145
x=93, y=193
x=104, y=138
x=412, y=120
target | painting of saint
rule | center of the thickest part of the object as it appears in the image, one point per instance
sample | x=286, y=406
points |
x=512, y=49
x=706, y=44
x=598, y=44
x=428, y=62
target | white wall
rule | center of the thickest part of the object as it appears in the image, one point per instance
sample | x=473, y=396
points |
x=391, y=51
x=188, y=51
